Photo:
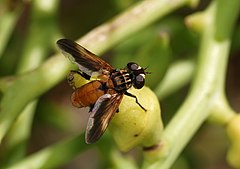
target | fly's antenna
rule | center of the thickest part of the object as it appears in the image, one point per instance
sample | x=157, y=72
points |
x=146, y=69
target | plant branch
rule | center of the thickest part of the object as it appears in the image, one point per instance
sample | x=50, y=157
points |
x=209, y=81
x=129, y=22
x=7, y=23
x=177, y=76
x=53, y=156
x=42, y=30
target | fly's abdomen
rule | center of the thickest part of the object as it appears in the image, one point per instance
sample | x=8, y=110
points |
x=87, y=94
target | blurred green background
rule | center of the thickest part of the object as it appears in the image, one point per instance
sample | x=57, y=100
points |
x=26, y=29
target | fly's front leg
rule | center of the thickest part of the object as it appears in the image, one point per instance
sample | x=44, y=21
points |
x=84, y=75
x=131, y=95
x=71, y=77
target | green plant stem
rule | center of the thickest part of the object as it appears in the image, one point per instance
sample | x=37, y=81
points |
x=177, y=76
x=42, y=30
x=15, y=142
x=42, y=33
x=129, y=22
x=7, y=23
x=53, y=156
x=221, y=112
x=35, y=83
x=6, y=82
x=120, y=162
x=209, y=82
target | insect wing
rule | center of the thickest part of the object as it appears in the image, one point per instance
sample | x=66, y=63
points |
x=87, y=62
x=100, y=116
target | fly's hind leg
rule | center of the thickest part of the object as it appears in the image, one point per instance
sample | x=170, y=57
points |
x=131, y=95
x=71, y=77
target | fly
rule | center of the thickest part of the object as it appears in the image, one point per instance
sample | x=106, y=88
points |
x=105, y=94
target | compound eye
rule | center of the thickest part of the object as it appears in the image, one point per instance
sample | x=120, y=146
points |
x=139, y=81
x=133, y=66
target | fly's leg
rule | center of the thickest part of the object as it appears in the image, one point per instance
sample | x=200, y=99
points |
x=131, y=95
x=91, y=108
x=70, y=77
x=84, y=75
x=104, y=87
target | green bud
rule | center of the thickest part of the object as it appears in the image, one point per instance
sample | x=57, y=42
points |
x=233, y=131
x=132, y=126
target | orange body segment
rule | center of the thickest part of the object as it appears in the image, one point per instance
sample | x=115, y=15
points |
x=87, y=95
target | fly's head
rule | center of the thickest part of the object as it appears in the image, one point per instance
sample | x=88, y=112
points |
x=138, y=74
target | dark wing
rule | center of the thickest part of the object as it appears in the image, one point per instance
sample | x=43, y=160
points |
x=87, y=62
x=100, y=116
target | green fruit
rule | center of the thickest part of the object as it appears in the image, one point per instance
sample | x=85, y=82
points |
x=132, y=126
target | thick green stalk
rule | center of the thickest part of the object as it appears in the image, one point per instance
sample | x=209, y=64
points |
x=130, y=22
x=121, y=162
x=209, y=82
x=7, y=24
x=42, y=30
x=28, y=87
x=177, y=76
x=14, y=148
x=53, y=156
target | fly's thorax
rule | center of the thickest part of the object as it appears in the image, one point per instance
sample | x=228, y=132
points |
x=122, y=79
